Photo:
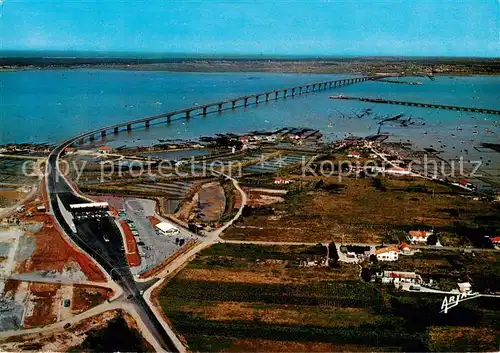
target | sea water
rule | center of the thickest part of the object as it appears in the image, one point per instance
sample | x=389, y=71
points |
x=52, y=105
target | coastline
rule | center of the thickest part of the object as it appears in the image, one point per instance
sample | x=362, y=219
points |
x=407, y=67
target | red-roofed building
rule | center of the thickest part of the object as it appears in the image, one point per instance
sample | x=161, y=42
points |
x=387, y=254
x=496, y=240
x=104, y=149
x=282, y=181
x=405, y=248
x=398, y=171
x=419, y=236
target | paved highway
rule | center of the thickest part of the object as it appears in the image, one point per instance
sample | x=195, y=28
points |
x=90, y=237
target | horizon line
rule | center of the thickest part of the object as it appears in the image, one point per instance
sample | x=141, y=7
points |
x=77, y=54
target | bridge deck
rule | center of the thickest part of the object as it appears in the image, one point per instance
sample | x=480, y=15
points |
x=297, y=90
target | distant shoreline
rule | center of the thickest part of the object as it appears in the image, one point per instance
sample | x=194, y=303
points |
x=406, y=66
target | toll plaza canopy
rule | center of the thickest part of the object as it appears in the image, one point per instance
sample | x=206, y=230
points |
x=90, y=205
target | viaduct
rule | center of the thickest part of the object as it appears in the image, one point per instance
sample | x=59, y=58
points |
x=219, y=106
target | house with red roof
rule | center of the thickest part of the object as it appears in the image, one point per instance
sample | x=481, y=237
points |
x=419, y=236
x=281, y=181
x=104, y=149
x=387, y=254
x=404, y=248
x=354, y=154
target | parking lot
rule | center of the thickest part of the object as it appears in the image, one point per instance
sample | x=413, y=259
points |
x=153, y=247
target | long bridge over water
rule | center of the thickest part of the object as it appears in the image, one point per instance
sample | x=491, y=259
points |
x=417, y=104
x=233, y=103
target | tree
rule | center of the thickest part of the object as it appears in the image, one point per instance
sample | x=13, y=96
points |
x=432, y=239
x=373, y=258
x=333, y=254
x=247, y=211
x=366, y=274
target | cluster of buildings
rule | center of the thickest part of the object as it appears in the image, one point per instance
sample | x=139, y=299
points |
x=391, y=253
x=25, y=148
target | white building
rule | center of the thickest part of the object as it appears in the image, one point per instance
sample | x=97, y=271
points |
x=464, y=287
x=166, y=229
x=398, y=171
x=397, y=277
x=354, y=154
x=282, y=181
x=387, y=254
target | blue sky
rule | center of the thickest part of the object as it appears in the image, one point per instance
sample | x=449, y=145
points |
x=308, y=27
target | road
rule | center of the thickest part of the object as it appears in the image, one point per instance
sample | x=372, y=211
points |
x=178, y=263
x=90, y=237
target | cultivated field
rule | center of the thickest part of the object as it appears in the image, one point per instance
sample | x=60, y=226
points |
x=367, y=210
x=248, y=297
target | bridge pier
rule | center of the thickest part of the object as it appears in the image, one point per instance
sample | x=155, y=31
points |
x=301, y=90
x=81, y=141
